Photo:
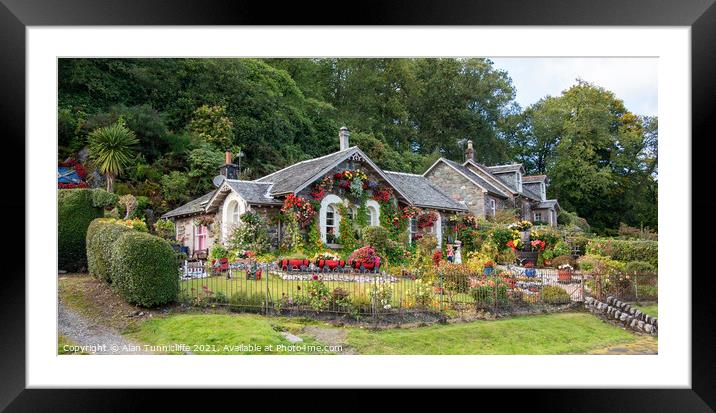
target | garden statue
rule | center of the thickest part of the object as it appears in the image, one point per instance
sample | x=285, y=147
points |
x=450, y=253
x=458, y=254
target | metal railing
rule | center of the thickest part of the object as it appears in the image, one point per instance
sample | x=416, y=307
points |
x=264, y=288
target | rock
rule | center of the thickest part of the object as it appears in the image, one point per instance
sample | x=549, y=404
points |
x=626, y=307
x=290, y=337
x=617, y=314
x=640, y=325
x=648, y=328
x=656, y=323
x=610, y=300
x=632, y=310
x=623, y=317
x=633, y=322
x=647, y=319
x=141, y=313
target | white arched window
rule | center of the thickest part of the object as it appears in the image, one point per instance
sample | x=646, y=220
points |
x=233, y=215
x=329, y=219
x=373, y=212
x=331, y=225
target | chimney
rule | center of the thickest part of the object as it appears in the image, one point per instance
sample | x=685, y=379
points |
x=343, y=135
x=229, y=170
x=469, y=152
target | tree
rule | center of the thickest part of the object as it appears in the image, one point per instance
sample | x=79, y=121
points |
x=211, y=124
x=111, y=149
x=204, y=163
x=175, y=188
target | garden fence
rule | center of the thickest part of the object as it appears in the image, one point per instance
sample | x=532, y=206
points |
x=624, y=287
x=264, y=288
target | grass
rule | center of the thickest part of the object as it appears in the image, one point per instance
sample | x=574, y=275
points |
x=222, y=333
x=651, y=309
x=565, y=333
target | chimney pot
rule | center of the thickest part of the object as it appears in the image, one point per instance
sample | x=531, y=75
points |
x=228, y=157
x=343, y=136
x=469, y=152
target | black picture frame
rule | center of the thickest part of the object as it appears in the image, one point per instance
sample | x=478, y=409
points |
x=15, y=15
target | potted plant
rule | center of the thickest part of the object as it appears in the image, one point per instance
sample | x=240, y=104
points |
x=489, y=266
x=530, y=270
x=365, y=258
x=564, y=272
x=547, y=257
x=327, y=261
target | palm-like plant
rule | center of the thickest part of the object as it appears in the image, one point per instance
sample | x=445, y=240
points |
x=111, y=149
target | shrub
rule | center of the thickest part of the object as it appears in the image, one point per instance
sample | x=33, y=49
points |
x=252, y=234
x=626, y=250
x=507, y=256
x=376, y=237
x=553, y=294
x=101, y=237
x=76, y=208
x=243, y=301
x=144, y=269
x=597, y=264
x=486, y=291
x=218, y=251
x=501, y=236
x=561, y=248
x=562, y=260
x=639, y=268
x=625, y=231
x=165, y=229
x=489, y=249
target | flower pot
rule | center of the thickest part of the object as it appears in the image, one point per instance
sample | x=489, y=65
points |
x=530, y=272
x=564, y=275
x=525, y=237
x=488, y=270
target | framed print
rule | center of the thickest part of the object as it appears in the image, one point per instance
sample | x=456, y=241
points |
x=464, y=196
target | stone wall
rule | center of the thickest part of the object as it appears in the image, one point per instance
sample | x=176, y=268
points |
x=622, y=314
x=459, y=188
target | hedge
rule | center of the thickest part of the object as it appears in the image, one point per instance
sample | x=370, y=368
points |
x=626, y=250
x=144, y=270
x=76, y=208
x=101, y=236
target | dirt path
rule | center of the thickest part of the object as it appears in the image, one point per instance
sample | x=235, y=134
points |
x=331, y=337
x=643, y=345
x=96, y=338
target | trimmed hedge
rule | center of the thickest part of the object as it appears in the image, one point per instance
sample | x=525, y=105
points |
x=626, y=250
x=144, y=270
x=76, y=208
x=101, y=236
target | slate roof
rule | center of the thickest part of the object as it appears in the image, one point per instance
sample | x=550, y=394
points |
x=254, y=192
x=195, y=206
x=476, y=178
x=531, y=194
x=497, y=169
x=533, y=178
x=292, y=177
x=422, y=192
x=550, y=203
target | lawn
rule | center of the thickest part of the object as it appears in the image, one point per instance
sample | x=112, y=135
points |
x=63, y=341
x=565, y=333
x=222, y=334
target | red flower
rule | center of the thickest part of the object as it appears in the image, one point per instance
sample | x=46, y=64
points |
x=315, y=277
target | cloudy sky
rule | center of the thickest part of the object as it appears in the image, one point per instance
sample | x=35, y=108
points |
x=634, y=80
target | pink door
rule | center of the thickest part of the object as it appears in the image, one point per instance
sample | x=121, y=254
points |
x=200, y=234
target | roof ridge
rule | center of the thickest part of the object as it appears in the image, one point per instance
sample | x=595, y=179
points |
x=401, y=173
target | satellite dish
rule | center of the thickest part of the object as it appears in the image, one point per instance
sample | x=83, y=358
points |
x=218, y=180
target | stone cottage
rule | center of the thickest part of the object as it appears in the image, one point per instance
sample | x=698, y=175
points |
x=446, y=188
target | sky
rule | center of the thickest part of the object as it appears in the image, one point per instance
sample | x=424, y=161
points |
x=634, y=80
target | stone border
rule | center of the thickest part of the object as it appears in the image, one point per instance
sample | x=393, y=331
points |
x=623, y=314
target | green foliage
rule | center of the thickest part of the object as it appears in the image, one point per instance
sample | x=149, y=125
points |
x=561, y=248
x=639, y=268
x=292, y=241
x=500, y=236
x=103, y=199
x=490, y=291
x=562, y=260
x=211, y=124
x=75, y=211
x=347, y=234
x=204, y=163
x=111, y=148
x=101, y=236
x=554, y=294
x=319, y=297
x=376, y=237
x=626, y=250
x=144, y=269
x=251, y=235
x=600, y=265
x=218, y=251
x=175, y=188
x=165, y=228
x=314, y=243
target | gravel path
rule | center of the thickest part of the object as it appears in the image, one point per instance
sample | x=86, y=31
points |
x=331, y=337
x=97, y=339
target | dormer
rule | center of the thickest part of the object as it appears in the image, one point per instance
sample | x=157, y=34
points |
x=510, y=174
x=537, y=184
